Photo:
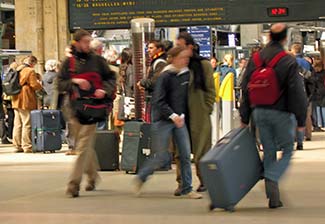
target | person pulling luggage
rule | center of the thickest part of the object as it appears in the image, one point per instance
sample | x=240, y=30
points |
x=274, y=95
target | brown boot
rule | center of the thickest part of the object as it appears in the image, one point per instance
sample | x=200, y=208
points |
x=72, y=190
x=91, y=186
x=18, y=150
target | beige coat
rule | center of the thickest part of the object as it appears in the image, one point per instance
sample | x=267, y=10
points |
x=200, y=107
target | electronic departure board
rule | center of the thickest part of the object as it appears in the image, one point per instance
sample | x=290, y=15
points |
x=117, y=14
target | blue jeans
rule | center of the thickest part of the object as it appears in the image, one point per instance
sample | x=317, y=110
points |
x=102, y=125
x=300, y=137
x=277, y=131
x=320, y=112
x=161, y=133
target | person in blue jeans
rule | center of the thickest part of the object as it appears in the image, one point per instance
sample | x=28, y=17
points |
x=276, y=122
x=306, y=71
x=169, y=120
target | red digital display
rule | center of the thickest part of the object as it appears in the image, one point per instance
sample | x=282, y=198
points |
x=278, y=11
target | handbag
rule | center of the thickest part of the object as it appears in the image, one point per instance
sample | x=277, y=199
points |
x=90, y=110
x=87, y=109
x=126, y=107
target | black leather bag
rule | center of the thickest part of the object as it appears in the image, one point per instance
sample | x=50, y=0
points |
x=90, y=110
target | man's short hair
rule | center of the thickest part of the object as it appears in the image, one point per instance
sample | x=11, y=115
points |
x=187, y=37
x=296, y=48
x=158, y=44
x=79, y=34
x=279, y=36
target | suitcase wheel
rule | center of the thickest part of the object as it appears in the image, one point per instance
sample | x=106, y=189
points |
x=230, y=209
x=211, y=207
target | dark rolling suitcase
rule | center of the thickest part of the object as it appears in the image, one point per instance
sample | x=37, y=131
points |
x=107, y=150
x=231, y=169
x=46, y=130
x=136, y=145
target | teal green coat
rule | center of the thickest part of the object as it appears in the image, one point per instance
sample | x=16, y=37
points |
x=200, y=107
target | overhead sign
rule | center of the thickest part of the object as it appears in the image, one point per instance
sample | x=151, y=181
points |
x=202, y=36
x=116, y=14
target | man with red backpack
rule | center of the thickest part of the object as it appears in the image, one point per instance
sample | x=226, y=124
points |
x=274, y=95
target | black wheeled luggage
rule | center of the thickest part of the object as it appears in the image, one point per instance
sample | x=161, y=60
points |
x=231, y=169
x=107, y=150
x=46, y=130
x=136, y=145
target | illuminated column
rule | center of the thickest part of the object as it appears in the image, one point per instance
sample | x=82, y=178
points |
x=142, y=32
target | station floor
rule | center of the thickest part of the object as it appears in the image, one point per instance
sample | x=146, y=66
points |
x=32, y=191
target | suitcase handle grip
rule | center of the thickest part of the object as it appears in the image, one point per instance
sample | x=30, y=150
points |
x=226, y=139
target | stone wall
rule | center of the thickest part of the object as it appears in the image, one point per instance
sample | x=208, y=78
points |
x=42, y=27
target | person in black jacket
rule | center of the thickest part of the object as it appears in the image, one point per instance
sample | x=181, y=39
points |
x=277, y=122
x=170, y=112
x=156, y=51
x=3, y=133
x=86, y=64
x=319, y=97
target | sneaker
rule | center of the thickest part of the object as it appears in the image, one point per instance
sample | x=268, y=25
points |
x=28, y=151
x=192, y=195
x=138, y=184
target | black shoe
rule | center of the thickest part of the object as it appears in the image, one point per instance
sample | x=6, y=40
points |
x=308, y=139
x=275, y=204
x=201, y=188
x=273, y=194
x=5, y=141
x=300, y=147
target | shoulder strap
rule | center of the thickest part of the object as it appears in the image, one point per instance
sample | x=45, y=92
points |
x=157, y=61
x=257, y=60
x=276, y=59
x=72, y=65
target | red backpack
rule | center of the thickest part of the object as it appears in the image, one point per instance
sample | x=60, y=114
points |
x=263, y=87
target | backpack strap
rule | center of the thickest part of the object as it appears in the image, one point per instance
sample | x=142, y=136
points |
x=257, y=60
x=276, y=59
x=72, y=65
x=157, y=61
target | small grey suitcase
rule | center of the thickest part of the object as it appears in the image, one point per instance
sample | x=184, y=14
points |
x=231, y=169
x=46, y=130
x=136, y=145
x=107, y=150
